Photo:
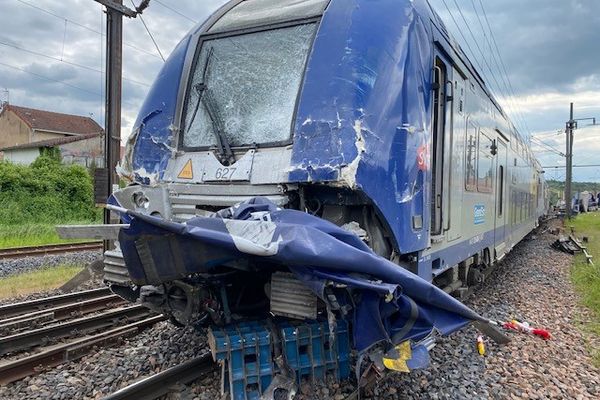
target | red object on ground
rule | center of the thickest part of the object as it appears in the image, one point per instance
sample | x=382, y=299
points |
x=523, y=327
x=544, y=334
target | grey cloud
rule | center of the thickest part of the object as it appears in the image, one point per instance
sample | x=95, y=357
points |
x=547, y=46
x=544, y=44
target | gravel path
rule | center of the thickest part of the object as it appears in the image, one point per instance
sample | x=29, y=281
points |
x=532, y=284
x=107, y=370
x=19, y=265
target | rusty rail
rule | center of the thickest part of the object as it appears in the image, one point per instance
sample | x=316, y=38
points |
x=26, y=307
x=17, y=369
x=42, y=336
x=59, y=313
x=29, y=251
x=160, y=384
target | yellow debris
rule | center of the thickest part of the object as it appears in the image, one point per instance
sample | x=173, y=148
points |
x=404, y=354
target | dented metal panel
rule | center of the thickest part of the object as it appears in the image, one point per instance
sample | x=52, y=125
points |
x=362, y=119
x=364, y=114
x=315, y=250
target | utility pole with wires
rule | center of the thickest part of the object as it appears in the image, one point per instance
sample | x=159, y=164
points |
x=571, y=125
x=569, y=156
x=107, y=177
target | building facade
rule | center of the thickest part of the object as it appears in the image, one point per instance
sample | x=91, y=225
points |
x=25, y=131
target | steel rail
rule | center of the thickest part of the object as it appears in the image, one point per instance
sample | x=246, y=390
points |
x=41, y=336
x=162, y=383
x=60, y=313
x=25, y=307
x=52, y=356
x=28, y=251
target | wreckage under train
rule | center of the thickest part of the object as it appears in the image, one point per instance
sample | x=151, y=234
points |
x=333, y=161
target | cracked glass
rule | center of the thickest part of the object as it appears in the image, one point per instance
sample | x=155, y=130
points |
x=244, y=87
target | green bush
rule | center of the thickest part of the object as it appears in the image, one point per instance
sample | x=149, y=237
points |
x=45, y=192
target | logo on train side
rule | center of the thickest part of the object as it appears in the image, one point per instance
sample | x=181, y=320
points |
x=479, y=214
x=423, y=157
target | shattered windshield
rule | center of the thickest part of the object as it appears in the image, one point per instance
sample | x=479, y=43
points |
x=244, y=87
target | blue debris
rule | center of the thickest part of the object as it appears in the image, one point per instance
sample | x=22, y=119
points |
x=310, y=353
x=395, y=305
x=246, y=352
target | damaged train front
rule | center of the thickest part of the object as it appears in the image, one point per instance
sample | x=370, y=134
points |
x=229, y=224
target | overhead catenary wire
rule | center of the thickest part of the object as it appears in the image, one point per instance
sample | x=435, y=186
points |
x=510, y=101
x=501, y=60
x=49, y=79
x=467, y=43
x=176, y=11
x=149, y=33
x=547, y=146
x=98, y=32
x=518, y=120
x=36, y=53
x=493, y=76
x=57, y=81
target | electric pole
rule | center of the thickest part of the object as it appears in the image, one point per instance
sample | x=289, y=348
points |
x=115, y=10
x=570, y=127
x=569, y=157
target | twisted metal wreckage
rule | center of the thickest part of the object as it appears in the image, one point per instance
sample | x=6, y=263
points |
x=309, y=180
x=395, y=315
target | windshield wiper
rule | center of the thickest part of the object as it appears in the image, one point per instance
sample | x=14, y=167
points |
x=201, y=86
x=226, y=156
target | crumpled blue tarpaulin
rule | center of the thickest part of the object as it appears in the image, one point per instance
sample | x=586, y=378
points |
x=395, y=304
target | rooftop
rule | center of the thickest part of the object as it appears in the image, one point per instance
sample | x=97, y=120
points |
x=53, y=121
x=52, y=142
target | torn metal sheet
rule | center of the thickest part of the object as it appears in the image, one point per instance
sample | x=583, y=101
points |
x=395, y=305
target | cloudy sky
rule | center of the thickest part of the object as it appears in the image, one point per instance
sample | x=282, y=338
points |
x=51, y=57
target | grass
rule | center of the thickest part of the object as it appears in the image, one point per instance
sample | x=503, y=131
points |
x=31, y=235
x=586, y=277
x=37, y=281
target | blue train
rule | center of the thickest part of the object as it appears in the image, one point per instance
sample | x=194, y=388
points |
x=362, y=114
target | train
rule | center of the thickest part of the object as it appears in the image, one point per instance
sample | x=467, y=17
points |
x=338, y=167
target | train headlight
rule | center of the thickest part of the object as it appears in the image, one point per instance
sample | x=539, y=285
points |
x=140, y=200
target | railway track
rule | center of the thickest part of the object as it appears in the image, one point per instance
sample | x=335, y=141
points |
x=25, y=307
x=29, y=251
x=58, y=329
x=60, y=313
x=162, y=383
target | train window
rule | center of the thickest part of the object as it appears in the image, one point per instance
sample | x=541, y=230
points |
x=262, y=12
x=243, y=88
x=484, y=164
x=471, y=157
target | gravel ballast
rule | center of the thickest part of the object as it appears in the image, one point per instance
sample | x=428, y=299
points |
x=531, y=284
x=15, y=266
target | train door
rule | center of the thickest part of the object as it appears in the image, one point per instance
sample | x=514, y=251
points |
x=441, y=125
x=501, y=196
x=456, y=153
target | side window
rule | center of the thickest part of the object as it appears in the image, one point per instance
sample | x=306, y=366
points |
x=471, y=157
x=484, y=164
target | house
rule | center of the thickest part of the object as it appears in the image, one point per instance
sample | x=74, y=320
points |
x=85, y=150
x=25, y=131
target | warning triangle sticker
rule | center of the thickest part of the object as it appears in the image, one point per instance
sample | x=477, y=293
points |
x=186, y=172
